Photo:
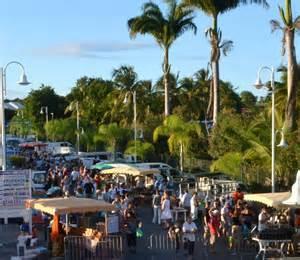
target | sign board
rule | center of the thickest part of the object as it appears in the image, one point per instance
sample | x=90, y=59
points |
x=112, y=223
x=15, y=189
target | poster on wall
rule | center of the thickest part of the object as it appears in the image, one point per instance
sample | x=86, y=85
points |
x=112, y=223
x=15, y=188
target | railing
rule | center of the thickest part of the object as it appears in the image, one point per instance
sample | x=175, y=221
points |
x=79, y=248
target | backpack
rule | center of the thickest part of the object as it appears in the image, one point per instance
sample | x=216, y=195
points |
x=88, y=188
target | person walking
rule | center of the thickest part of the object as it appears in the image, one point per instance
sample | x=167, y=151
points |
x=156, y=204
x=189, y=229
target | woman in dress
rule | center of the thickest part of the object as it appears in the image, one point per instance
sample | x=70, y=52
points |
x=166, y=215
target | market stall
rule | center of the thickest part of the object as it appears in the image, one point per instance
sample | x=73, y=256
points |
x=270, y=199
x=66, y=206
x=72, y=205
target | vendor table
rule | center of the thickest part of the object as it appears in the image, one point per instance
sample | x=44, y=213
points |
x=176, y=211
x=266, y=246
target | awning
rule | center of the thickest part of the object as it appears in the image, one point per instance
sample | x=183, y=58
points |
x=131, y=171
x=69, y=205
x=101, y=166
x=269, y=199
x=32, y=145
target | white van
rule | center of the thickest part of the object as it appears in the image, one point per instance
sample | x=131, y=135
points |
x=164, y=168
x=59, y=148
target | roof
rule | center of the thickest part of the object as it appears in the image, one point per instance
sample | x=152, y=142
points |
x=130, y=170
x=69, y=205
x=13, y=105
x=269, y=199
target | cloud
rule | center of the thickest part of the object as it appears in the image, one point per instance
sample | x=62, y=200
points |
x=91, y=50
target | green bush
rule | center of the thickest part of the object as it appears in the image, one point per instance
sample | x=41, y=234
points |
x=18, y=161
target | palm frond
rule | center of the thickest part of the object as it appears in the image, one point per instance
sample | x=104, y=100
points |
x=275, y=25
x=297, y=23
x=282, y=15
x=226, y=46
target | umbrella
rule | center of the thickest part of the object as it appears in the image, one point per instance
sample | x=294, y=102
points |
x=101, y=166
x=294, y=199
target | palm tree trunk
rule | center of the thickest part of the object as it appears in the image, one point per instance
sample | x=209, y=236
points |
x=216, y=106
x=215, y=57
x=166, y=70
x=181, y=157
x=290, y=110
x=211, y=100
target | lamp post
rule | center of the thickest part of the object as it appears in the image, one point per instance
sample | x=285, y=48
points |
x=47, y=117
x=23, y=81
x=258, y=84
x=52, y=115
x=134, y=119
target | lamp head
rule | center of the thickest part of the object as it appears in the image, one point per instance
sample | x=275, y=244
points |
x=125, y=101
x=258, y=84
x=141, y=136
x=23, y=80
x=283, y=143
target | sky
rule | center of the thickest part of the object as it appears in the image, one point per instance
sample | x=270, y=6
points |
x=59, y=41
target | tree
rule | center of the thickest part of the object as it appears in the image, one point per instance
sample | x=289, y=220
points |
x=95, y=99
x=180, y=135
x=144, y=150
x=165, y=29
x=112, y=135
x=214, y=8
x=248, y=99
x=44, y=96
x=288, y=28
x=62, y=130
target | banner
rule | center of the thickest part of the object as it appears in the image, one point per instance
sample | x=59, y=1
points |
x=15, y=188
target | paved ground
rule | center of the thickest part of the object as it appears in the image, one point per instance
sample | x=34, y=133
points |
x=201, y=252
x=8, y=235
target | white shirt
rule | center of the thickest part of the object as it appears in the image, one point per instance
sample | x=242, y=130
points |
x=75, y=175
x=189, y=227
x=193, y=202
x=262, y=219
x=185, y=200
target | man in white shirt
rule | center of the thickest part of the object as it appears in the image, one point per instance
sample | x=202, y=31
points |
x=189, y=229
x=185, y=200
x=263, y=218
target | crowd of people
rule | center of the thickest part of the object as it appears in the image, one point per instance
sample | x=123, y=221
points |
x=228, y=218
x=209, y=218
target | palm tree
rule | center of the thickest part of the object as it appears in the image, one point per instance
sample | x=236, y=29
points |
x=165, y=29
x=214, y=8
x=112, y=135
x=289, y=27
x=180, y=135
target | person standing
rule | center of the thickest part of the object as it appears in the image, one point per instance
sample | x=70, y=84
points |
x=166, y=214
x=131, y=227
x=189, y=229
x=156, y=204
x=263, y=218
x=194, y=206
x=185, y=200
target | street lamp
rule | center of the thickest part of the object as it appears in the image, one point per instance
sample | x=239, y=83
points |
x=45, y=108
x=23, y=81
x=134, y=119
x=52, y=115
x=258, y=84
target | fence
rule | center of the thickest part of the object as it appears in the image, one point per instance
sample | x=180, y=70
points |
x=82, y=248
